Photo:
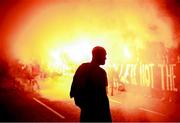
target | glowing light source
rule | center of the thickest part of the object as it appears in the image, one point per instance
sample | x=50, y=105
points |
x=79, y=51
x=125, y=22
x=127, y=53
x=55, y=62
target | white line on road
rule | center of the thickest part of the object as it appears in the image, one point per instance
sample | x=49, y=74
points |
x=144, y=109
x=161, y=114
x=115, y=101
x=55, y=112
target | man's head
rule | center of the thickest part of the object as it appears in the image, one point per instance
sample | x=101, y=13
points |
x=99, y=55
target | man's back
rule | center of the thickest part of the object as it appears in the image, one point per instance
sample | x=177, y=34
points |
x=89, y=77
x=89, y=91
x=89, y=88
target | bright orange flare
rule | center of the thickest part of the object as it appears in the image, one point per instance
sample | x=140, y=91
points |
x=60, y=36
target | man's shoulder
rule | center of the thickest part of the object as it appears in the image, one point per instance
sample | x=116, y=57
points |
x=102, y=70
x=85, y=64
x=83, y=67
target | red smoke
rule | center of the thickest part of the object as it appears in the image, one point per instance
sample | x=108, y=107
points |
x=171, y=8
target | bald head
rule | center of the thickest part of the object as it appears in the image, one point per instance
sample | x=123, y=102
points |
x=99, y=55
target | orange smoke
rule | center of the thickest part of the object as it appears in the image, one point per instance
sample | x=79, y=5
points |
x=60, y=35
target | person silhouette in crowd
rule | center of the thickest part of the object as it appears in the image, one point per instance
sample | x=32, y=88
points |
x=89, y=89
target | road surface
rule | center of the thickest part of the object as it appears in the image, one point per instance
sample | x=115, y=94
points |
x=21, y=106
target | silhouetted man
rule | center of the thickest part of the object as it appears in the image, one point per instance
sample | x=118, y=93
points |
x=89, y=89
